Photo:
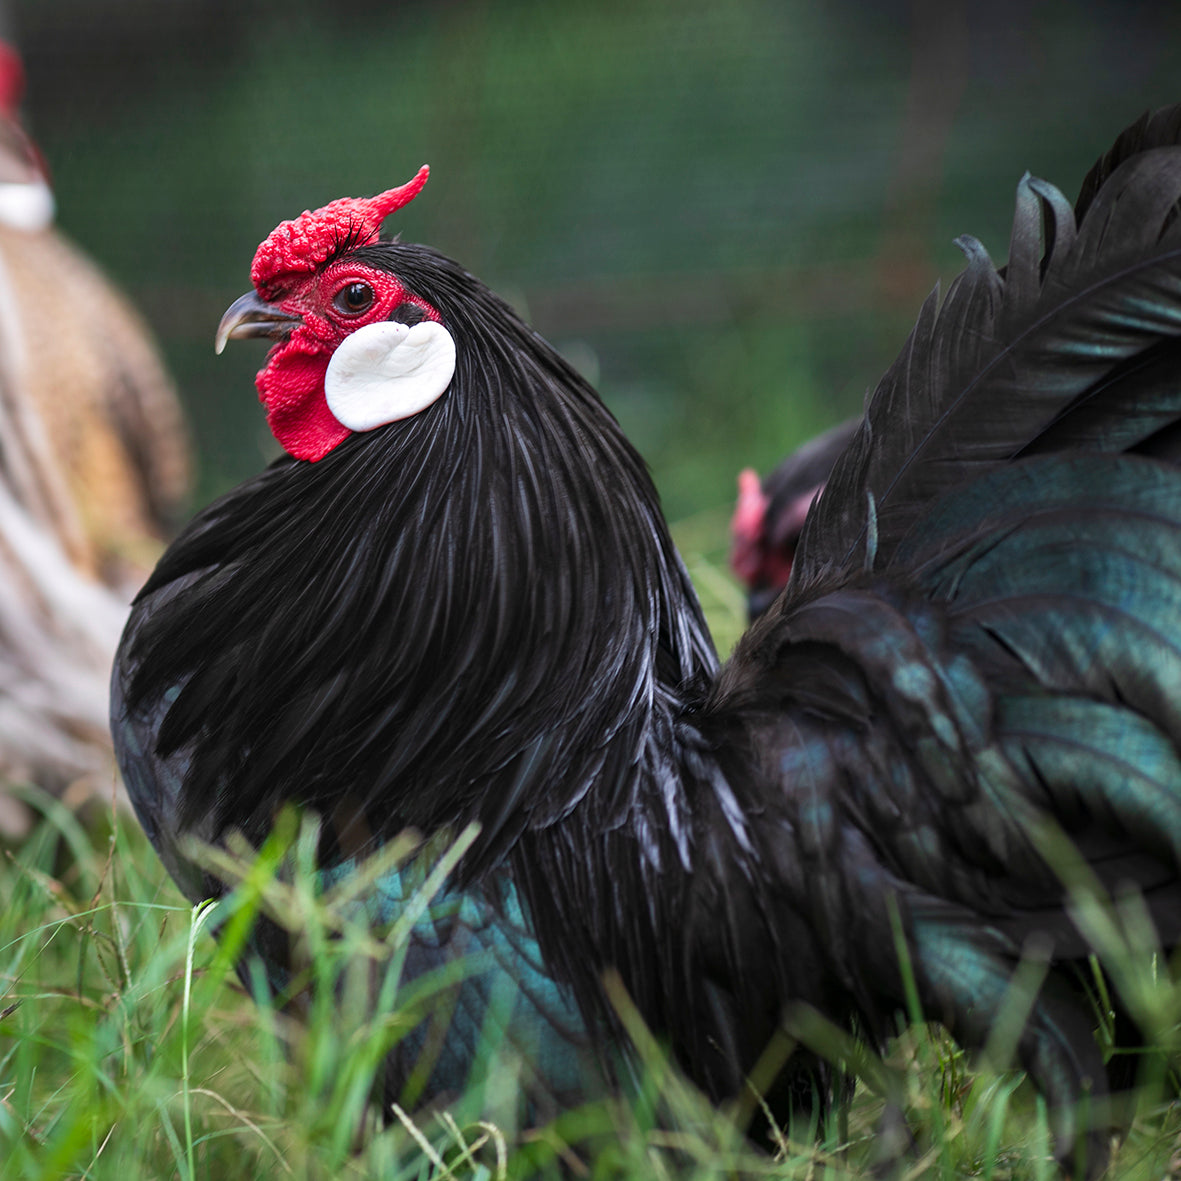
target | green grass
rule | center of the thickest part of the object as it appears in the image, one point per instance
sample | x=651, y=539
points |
x=130, y=1049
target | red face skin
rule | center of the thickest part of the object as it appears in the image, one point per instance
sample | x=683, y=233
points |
x=330, y=303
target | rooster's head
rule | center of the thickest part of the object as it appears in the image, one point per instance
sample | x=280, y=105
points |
x=354, y=347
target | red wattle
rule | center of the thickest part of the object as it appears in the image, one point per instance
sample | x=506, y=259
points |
x=291, y=387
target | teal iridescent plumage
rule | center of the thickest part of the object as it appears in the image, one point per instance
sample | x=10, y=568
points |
x=476, y=616
x=487, y=976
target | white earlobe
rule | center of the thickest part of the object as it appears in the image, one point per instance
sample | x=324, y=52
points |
x=26, y=207
x=387, y=371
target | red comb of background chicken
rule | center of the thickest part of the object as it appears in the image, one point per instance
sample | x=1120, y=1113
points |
x=12, y=81
x=747, y=526
x=305, y=242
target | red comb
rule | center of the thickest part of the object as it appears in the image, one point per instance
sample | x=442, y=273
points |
x=303, y=243
x=12, y=80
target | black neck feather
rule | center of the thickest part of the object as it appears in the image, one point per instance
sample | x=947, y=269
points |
x=475, y=613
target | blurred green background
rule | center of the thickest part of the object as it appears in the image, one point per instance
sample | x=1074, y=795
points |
x=726, y=213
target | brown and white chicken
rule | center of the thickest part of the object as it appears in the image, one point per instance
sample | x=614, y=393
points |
x=93, y=461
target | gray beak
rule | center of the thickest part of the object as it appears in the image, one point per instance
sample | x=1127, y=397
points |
x=251, y=316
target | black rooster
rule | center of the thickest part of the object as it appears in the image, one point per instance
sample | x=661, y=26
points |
x=456, y=600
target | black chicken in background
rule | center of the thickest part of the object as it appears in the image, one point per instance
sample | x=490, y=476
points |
x=93, y=467
x=456, y=601
x=769, y=516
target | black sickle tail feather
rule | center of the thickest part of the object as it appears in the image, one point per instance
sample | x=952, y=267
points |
x=1007, y=360
x=1118, y=420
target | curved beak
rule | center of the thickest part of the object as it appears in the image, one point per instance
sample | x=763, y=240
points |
x=251, y=316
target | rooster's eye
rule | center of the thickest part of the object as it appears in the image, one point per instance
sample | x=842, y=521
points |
x=354, y=297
